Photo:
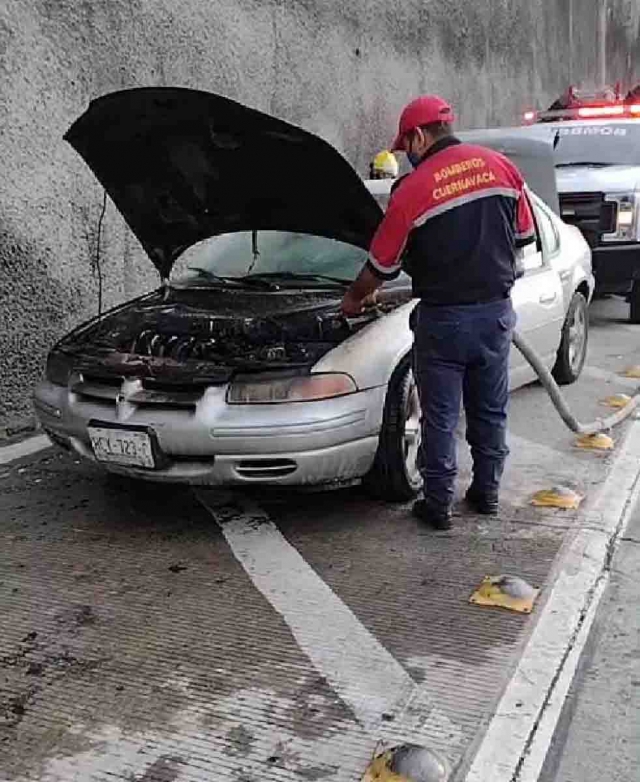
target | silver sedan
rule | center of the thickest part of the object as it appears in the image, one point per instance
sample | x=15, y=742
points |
x=239, y=368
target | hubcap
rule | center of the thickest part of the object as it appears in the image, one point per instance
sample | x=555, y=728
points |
x=577, y=337
x=412, y=434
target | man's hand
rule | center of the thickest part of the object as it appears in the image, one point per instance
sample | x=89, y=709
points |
x=360, y=294
x=352, y=305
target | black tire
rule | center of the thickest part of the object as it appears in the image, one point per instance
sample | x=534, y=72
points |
x=572, y=352
x=394, y=476
x=634, y=303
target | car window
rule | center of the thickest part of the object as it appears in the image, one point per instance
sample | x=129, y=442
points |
x=233, y=255
x=529, y=257
x=548, y=233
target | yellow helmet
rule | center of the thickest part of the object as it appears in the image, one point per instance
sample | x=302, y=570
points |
x=384, y=165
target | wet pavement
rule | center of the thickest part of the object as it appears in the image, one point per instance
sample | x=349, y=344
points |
x=152, y=633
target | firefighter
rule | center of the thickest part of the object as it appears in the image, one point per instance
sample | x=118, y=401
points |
x=384, y=166
x=454, y=224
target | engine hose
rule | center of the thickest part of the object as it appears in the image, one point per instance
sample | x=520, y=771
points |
x=560, y=403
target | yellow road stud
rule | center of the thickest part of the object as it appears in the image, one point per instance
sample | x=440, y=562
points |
x=510, y=592
x=595, y=442
x=407, y=763
x=631, y=371
x=557, y=497
x=616, y=401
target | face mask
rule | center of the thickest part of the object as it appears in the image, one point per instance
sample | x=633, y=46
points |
x=414, y=159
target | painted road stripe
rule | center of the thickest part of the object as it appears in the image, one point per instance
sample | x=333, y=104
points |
x=358, y=668
x=10, y=453
x=526, y=706
x=536, y=754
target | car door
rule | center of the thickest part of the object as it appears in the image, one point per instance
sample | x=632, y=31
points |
x=538, y=300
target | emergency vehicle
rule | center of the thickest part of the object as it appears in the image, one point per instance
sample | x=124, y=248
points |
x=596, y=138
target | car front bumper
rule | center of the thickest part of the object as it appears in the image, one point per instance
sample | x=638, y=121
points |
x=616, y=267
x=304, y=443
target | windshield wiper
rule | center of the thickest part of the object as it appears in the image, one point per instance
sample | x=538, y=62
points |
x=598, y=164
x=247, y=282
x=295, y=276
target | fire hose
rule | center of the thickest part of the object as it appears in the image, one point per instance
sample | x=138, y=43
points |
x=560, y=403
x=546, y=378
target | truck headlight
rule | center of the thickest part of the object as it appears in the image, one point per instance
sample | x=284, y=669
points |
x=307, y=388
x=59, y=368
x=627, y=226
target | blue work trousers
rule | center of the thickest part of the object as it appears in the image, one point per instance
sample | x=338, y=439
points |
x=461, y=354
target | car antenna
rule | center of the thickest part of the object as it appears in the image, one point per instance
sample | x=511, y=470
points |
x=254, y=250
x=556, y=138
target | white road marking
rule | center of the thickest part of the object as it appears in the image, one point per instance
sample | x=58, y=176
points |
x=10, y=453
x=537, y=752
x=358, y=668
x=530, y=703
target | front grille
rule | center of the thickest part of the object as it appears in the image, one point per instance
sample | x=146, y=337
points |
x=105, y=391
x=590, y=213
x=99, y=390
x=259, y=469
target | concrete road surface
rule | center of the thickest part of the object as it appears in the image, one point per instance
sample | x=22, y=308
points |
x=153, y=633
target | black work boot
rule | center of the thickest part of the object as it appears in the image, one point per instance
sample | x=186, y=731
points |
x=435, y=515
x=484, y=504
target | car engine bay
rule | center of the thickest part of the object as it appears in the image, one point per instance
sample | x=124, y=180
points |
x=214, y=333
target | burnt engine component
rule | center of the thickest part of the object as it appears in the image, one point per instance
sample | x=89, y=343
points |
x=300, y=338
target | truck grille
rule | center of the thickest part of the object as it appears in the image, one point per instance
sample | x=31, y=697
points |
x=590, y=213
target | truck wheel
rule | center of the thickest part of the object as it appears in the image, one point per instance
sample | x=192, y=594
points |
x=634, y=300
x=573, y=345
x=394, y=476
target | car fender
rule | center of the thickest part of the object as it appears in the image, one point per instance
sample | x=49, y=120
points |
x=371, y=355
x=575, y=267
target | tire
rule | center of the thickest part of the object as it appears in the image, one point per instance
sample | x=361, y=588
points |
x=394, y=476
x=573, y=345
x=634, y=302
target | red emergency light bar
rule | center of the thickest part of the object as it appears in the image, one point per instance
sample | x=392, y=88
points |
x=577, y=104
x=584, y=112
x=601, y=111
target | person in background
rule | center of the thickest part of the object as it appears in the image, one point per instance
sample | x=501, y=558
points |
x=383, y=166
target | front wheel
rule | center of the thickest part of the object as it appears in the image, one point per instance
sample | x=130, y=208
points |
x=634, y=301
x=572, y=352
x=394, y=476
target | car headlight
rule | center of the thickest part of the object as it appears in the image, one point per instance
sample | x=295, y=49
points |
x=627, y=226
x=307, y=388
x=59, y=368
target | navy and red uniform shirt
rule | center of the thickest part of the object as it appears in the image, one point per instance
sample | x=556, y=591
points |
x=454, y=225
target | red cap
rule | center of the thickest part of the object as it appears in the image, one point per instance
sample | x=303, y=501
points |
x=422, y=111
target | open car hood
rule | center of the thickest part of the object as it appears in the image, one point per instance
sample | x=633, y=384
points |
x=183, y=165
x=533, y=156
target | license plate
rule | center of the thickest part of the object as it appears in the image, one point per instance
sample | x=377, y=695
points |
x=122, y=446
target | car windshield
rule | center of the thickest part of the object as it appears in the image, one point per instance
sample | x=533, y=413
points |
x=601, y=144
x=274, y=254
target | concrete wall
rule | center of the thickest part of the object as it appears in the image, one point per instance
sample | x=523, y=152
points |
x=341, y=69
